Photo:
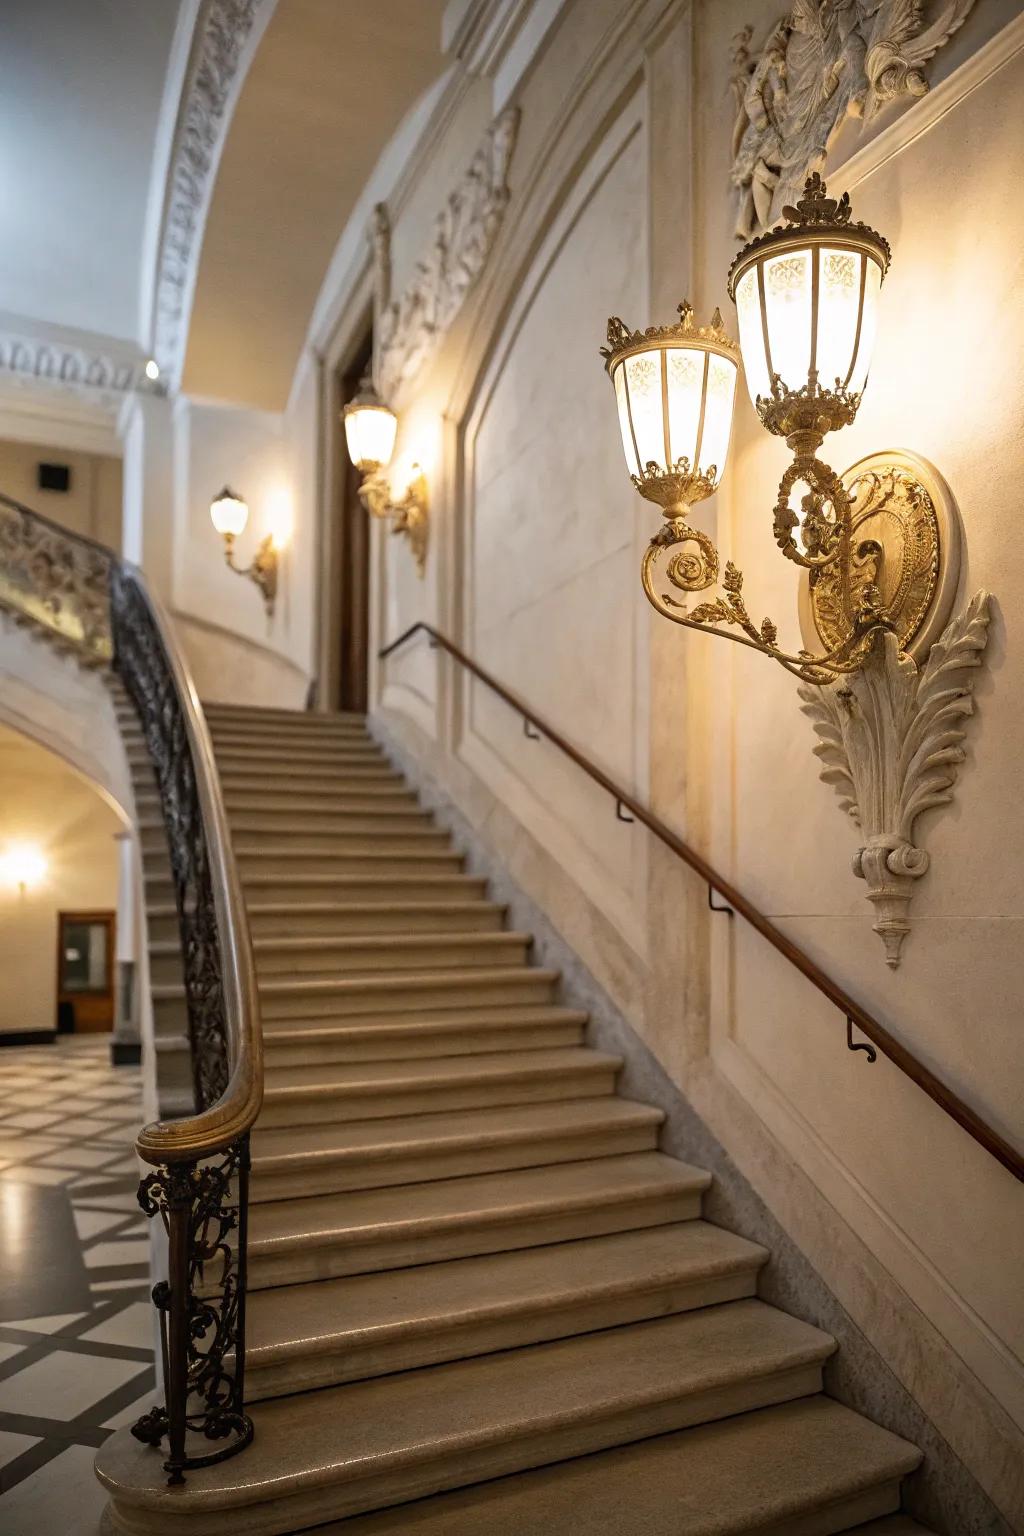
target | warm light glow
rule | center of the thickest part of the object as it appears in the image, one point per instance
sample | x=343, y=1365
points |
x=152, y=370
x=229, y=513
x=675, y=403
x=22, y=866
x=279, y=518
x=370, y=430
x=814, y=306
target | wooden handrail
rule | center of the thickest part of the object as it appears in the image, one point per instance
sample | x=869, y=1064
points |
x=939, y=1092
x=212, y=1130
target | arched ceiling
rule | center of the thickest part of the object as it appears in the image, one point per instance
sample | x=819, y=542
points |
x=330, y=82
x=81, y=86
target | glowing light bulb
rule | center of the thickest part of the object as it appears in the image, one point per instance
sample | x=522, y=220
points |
x=23, y=866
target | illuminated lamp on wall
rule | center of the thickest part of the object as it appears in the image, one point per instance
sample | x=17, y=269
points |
x=23, y=867
x=229, y=514
x=885, y=672
x=370, y=430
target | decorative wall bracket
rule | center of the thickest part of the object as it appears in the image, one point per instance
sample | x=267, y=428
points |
x=409, y=513
x=262, y=569
x=890, y=742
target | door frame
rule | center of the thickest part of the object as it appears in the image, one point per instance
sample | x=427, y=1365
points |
x=108, y=996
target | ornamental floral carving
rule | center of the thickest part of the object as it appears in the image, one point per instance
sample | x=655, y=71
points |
x=890, y=741
x=408, y=328
x=823, y=62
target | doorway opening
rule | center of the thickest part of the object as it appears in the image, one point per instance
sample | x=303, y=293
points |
x=353, y=557
x=85, y=972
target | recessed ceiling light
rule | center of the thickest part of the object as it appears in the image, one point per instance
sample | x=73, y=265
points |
x=153, y=369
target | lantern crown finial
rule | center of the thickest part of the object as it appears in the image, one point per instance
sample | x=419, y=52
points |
x=686, y=332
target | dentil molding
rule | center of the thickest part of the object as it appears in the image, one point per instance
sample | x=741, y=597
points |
x=821, y=64
x=890, y=741
x=226, y=32
x=408, y=329
x=100, y=372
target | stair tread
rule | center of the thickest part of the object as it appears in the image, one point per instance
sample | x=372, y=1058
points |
x=401, y=981
x=340, y=1434
x=275, y=1150
x=505, y=938
x=384, y=1077
x=362, y=1214
x=401, y=1025
x=796, y=1457
x=359, y=1309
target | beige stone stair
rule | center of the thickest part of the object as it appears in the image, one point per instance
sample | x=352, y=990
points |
x=481, y=1301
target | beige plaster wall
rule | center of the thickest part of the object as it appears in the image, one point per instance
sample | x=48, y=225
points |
x=621, y=203
x=91, y=506
x=45, y=803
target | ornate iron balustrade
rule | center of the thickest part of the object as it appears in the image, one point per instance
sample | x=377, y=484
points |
x=56, y=580
x=100, y=608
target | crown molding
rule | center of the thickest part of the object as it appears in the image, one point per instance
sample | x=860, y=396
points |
x=498, y=39
x=64, y=386
x=224, y=40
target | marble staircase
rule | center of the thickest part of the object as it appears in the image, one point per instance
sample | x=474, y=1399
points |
x=481, y=1300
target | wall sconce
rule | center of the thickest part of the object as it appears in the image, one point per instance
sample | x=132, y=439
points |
x=23, y=867
x=370, y=431
x=229, y=514
x=884, y=678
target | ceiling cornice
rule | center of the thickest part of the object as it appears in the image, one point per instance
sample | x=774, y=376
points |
x=225, y=38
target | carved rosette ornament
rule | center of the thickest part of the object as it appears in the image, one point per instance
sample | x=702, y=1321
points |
x=821, y=64
x=890, y=741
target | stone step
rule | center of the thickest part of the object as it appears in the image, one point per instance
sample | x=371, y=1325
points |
x=304, y=779
x=420, y=1148
x=411, y=991
x=306, y=728
x=347, y=889
x=466, y=1031
x=303, y=1096
x=809, y=1468
x=275, y=715
x=324, y=1237
x=345, y=1450
x=287, y=755
x=298, y=800
x=296, y=860
x=307, y=823
x=361, y=836
x=165, y=962
x=326, y=955
x=305, y=1337
x=348, y=918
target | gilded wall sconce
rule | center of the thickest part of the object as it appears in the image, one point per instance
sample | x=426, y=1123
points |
x=885, y=674
x=370, y=430
x=229, y=514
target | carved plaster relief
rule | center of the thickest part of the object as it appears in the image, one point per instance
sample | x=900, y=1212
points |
x=224, y=31
x=408, y=329
x=90, y=373
x=890, y=740
x=824, y=61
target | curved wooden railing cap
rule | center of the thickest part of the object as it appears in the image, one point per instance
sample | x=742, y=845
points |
x=212, y=1130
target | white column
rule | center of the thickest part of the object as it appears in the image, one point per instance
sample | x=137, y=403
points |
x=146, y=429
x=126, y=1042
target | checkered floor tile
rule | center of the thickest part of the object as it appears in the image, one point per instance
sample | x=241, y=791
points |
x=76, y=1326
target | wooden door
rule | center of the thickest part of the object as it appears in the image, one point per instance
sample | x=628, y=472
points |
x=85, y=972
x=354, y=560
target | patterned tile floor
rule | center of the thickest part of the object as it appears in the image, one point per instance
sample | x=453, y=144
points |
x=76, y=1346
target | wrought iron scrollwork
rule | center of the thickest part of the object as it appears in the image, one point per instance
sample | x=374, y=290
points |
x=141, y=662
x=203, y=1207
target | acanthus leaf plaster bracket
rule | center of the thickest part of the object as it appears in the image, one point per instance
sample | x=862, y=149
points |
x=820, y=65
x=890, y=742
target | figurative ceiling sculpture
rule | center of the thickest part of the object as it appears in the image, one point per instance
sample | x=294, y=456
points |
x=823, y=62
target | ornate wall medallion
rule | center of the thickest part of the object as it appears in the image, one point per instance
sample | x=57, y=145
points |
x=905, y=542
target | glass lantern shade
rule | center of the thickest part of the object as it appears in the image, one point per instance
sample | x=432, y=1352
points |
x=229, y=513
x=675, y=403
x=811, y=309
x=370, y=430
